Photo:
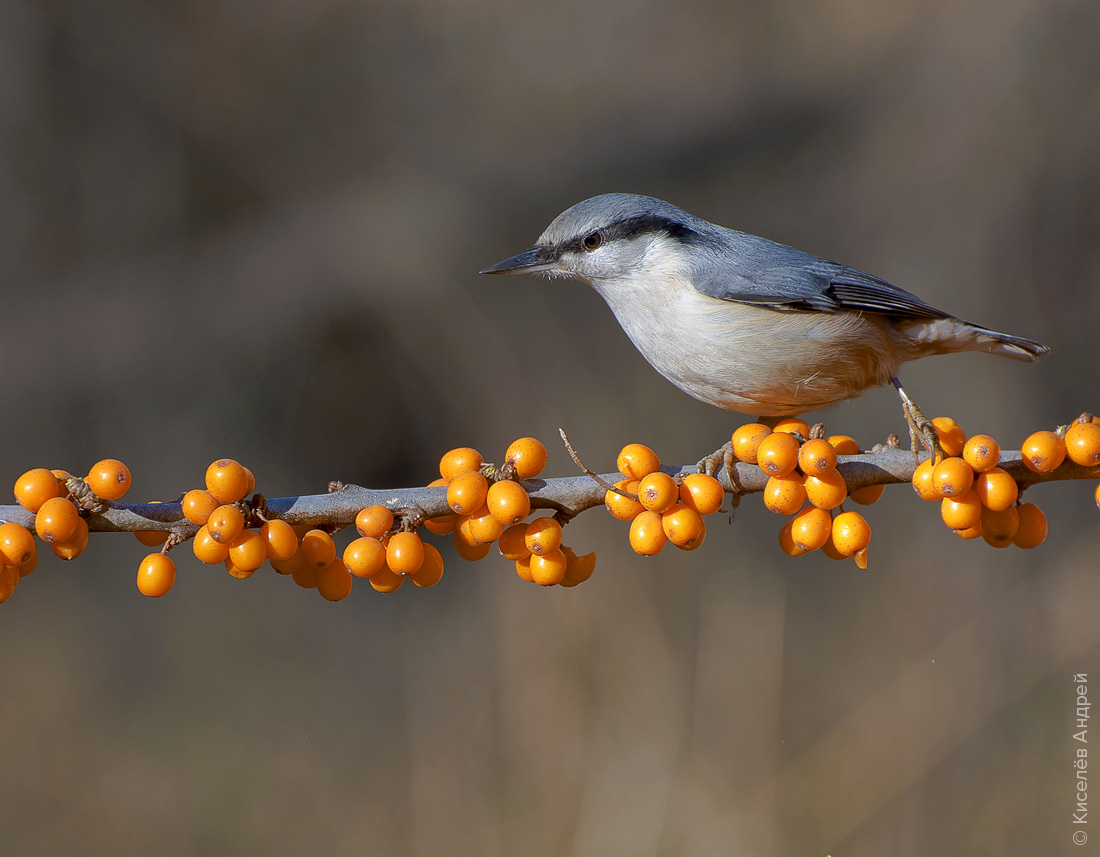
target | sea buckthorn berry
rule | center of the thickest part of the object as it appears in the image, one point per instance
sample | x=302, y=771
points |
x=305, y=575
x=225, y=523
x=851, y=533
x=386, y=581
x=637, y=460
x=248, y=551
x=442, y=526
x=405, y=553
x=198, y=504
x=289, y=566
x=462, y=459
x=207, y=549
x=467, y=492
x=464, y=533
x=374, y=521
x=227, y=480
x=577, y=568
x=109, y=479
x=27, y=567
x=951, y=435
x=658, y=491
x=156, y=574
x=1096, y=496
x=9, y=578
x=777, y=454
x=982, y=453
x=793, y=425
x=527, y=455
x=829, y=549
x=431, y=572
x=56, y=520
x=786, y=540
x=996, y=489
x=151, y=538
x=922, y=480
x=1083, y=444
x=523, y=568
x=318, y=548
x=817, y=457
x=35, y=487
x=1032, y=531
x=647, y=536
x=471, y=553
x=1043, y=451
x=16, y=544
x=843, y=444
x=280, y=540
x=334, y=581
x=484, y=527
x=239, y=573
x=974, y=532
x=512, y=542
x=702, y=492
x=785, y=495
x=698, y=543
x=746, y=441
x=867, y=495
x=61, y=475
x=683, y=525
x=999, y=528
x=962, y=512
x=861, y=559
x=548, y=569
x=74, y=545
x=365, y=556
x=508, y=502
x=620, y=507
x=952, y=477
x=250, y=482
x=826, y=492
x=811, y=528
x=543, y=535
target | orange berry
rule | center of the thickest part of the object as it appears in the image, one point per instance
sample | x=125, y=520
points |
x=471, y=553
x=620, y=507
x=385, y=580
x=442, y=526
x=829, y=549
x=225, y=523
x=861, y=559
x=996, y=489
x=198, y=504
x=577, y=568
x=431, y=572
x=785, y=495
x=280, y=540
x=922, y=480
x=151, y=538
x=777, y=454
x=404, y=553
x=16, y=544
x=439, y=483
x=523, y=569
x=698, y=543
x=227, y=480
x=683, y=525
x=952, y=437
x=1033, y=527
x=483, y=527
x=647, y=535
x=365, y=556
x=746, y=441
x=56, y=520
x=811, y=528
x=702, y=493
x=318, y=548
x=548, y=569
x=467, y=492
x=289, y=566
x=867, y=495
x=334, y=581
x=826, y=492
x=464, y=533
x=508, y=502
x=851, y=533
x=543, y=535
x=999, y=527
x=982, y=453
x=155, y=575
x=250, y=482
x=527, y=455
x=974, y=532
x=35, y=487
x=1096, y=496
x=305, y=575
x=512, y=542
x=109, y=479
x=952, y=477
x=74, y=545
x=637, y=460
x=9, y=578
x=239, y=573
x=374, y=521
x=207, y=549
x=248, y=551
x=786, y=540
x=1043, y=451
x=1083, y=444
x=817, y=457
x=843, y=444
x=658, y=491
x=962, y=512
x=793, y=425
x=462, y=459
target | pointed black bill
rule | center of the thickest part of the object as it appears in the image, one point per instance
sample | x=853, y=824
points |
x=534, y=260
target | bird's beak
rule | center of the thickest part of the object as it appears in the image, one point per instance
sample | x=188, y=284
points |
x=534, y=260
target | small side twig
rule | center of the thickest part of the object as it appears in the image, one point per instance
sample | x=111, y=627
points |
x=597, y=479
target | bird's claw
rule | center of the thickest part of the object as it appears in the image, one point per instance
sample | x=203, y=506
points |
x=721, y=459
x=922, y=434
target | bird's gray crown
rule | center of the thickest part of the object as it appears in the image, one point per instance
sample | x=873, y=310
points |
x=618, y=216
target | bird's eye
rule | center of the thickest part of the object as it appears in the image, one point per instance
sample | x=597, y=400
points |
x=593, y=240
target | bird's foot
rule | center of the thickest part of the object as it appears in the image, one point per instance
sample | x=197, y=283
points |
x=921, y=431
x=720, y=460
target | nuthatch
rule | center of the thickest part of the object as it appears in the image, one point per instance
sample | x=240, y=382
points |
x=744, y=323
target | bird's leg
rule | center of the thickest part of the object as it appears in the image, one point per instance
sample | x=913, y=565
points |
x=721, y=457
x=921, y=430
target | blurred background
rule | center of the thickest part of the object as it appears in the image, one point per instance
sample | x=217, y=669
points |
x=230, y=229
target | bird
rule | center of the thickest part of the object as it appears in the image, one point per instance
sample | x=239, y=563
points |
x=744, y=323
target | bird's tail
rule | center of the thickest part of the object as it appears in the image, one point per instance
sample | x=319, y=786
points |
x=948, y=335
x=1007, y=345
